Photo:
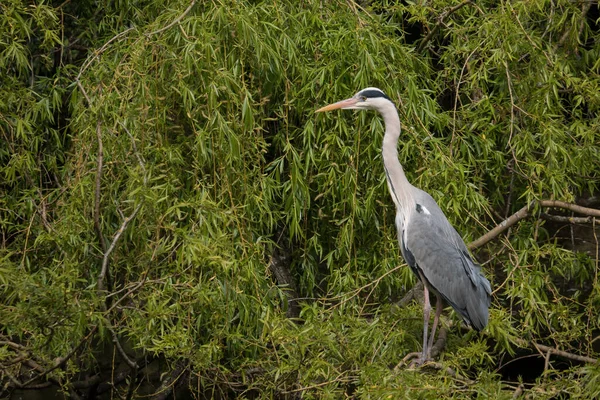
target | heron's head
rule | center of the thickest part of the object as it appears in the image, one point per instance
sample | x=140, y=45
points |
x=367, y=99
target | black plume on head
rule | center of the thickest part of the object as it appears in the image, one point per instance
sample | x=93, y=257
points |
x=372, y=93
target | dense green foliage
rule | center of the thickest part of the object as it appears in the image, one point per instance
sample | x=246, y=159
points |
x=202, y=121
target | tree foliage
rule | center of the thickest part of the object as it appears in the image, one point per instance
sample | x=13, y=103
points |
x=156, y=155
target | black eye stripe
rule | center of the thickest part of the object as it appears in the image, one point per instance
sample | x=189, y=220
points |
x=373, y=93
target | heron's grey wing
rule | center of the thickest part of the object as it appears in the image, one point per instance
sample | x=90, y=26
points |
x=440, y=255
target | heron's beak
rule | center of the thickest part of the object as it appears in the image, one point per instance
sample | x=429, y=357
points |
x=340, y=104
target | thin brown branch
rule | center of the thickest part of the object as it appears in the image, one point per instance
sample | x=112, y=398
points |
x=374, y=283
x=446, y=369
x=570, y=206
x=585, y=7
x=129, y=292
x=136, y=152
x=525, y=212
x=12, y=344
x=343, y=377
x=97, y=53
x=529, y=37
x=564, y=354
x=115, y=339
x=504, y=225
x=439, y=23
x=569, y=220
x=113, y=244
x=83, y=91
x=175, y=21
x=99, y=168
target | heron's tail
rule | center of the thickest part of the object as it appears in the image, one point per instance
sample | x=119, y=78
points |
x=478, y=303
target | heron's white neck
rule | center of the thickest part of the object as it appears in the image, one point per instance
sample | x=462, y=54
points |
x=397, y=183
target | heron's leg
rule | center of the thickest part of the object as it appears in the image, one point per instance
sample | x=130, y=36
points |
x=426, y=310
x=436, y=320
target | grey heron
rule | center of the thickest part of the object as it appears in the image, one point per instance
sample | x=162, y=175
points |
x=428, y=242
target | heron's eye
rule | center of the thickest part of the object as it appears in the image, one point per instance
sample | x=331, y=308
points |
x=363, y=98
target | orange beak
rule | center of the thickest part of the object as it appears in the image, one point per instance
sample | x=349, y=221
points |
x=340, y=104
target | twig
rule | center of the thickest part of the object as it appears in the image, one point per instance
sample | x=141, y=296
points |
x=456, y=95
x=446, y=369
x=375, y=282
x=569, y=220
x=338, y=379
x=136, y=152
x=129, y=292
x=84, y=92
x=100, y=282
x=175, y=21
x=585, y=7
x=99, y=168
x=113, y=244
x=102, y=49
x=529, y=37
x=440, y=21
x=504, y=225
x=570, y=206
x=547, y=361
x=524, y=212
x=115, y=339
x=91, y=59
x=564, y=354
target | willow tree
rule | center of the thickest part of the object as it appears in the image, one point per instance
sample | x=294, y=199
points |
x=170, y=201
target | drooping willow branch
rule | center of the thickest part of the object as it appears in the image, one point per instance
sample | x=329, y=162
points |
x=439, y=23
x=525, y=212
x=175, y=21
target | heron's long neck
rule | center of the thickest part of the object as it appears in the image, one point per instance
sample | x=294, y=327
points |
x=397, y=183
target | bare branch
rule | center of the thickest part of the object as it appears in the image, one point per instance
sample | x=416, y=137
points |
x=524, y=212
x=113, y=244
x=129, y=292
x=570, y=206
x=504, y=225
x=564, y=354
x=343, y=377
x=83, y=91
x=115, y=339
x=569, y=220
